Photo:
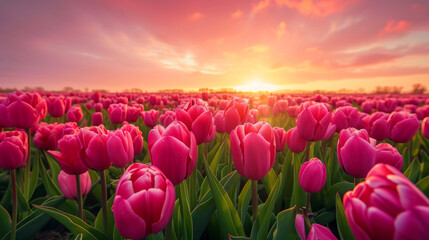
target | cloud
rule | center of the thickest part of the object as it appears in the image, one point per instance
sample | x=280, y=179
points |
x=196, y=16
x=281, y=29
x=260, y=6
x=393, y=26
x=317, y=8
x=237, y=14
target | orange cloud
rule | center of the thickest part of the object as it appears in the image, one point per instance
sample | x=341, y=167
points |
x=260, y=6
x=393, y=26
x=196, y=16
x=237, y=14
x=281, y=29
x=318, y=8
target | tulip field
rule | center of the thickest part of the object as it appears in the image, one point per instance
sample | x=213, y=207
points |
x=213, y=166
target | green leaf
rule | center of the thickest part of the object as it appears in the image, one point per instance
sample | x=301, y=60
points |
x=286, y=225
x=5, y=221
x=116, y=235
x=49, y=184
x=79, y=237
x=341, y=188
x=261, y=225
x=424, y=185
x=299, y=196
x=413, y=171
x=325, y=217
x=342, y=224
x=54, y=167
x=269, y=180
x=110, y=219
x=244, y=200
x=226, y=211
x=186, y=212
x=34, y=178
x=73, y=223
x=216, y=157
x=22, y=202
x=425, y=164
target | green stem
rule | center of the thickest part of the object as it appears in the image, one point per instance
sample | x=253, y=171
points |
x=307, y=151
x=14, y=205
x=255, y=199
x=104, y=199
x=79, y=198
x=307, y=205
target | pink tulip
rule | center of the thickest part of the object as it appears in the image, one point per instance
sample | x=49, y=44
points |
x=345, y=117
x=173, y=150
x=68, y=185
x=136, y=136
x=425, y=127
x=355, y=151
x=219, y=121
x=376, y=125
x=4, y=121
x=280, y=135
x=25, y=110
x=264, y=110
x=167, y=118
x=403, y=126
x=294, y=141
x=385, y=153
x=46, y=135
x=312, y=175
x=56, y=105
x=93, y=147
x=13, y=149
x=97, y=118
x=313, y=121
x=300, y=226
x=68, y=156
x=120, y=148
x=150, y=118
x=75, y=114
x=253, y=149
x=293, y=111
x=96, y=97
x=319, y=232
x=98, y=107
x=144, y=201
x=117, y=113
x=69, y=128
x=235, y=114
x=133, y=114
x=387, y=206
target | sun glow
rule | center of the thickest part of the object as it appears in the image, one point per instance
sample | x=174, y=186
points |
x=257, y=86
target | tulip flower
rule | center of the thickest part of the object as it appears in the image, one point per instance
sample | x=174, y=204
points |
x=235, y=114
x=133, y=114
x=120, y=148
x=294, y=141
x=96, y=97
x=46, y=135
x=25, y=110
x=98, y=107
x=93, y=147
x=376, y=125
x=356, y=152
x=219, y=121
x=293, y=111
x=280, y=135
x=385, y=153
x=345, y=117
x=425, y=127
x=403, y=126
x=167, y=118
x=141, y=188
x=97, y=118
x=117, y=113
x=173, y=150
x=136, y=136
x=68, y=184
x=69, y=128
x=264, y=110
x=75, y=114
x=317, y=231
x=387, y=206
x=56, y=105
x=313, y=121
x=312, y=175
x=13, y=149
x=4, y=121
x=68, y=156
x=199, y=120
x=150, y=117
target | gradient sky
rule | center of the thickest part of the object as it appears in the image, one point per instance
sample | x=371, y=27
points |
x=308, y=44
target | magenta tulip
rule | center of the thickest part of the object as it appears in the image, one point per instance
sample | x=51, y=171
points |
x=13, y=149
x=387, y=206
x=425, y=127
x=385, y=153
x=69, y=128
x=167, y=118
x=56, y=105
x=97, y=118
x=312, y=175
x=319, y=232
x=117, y=113
x=356, y=152
x=294, y=141
x=133, y=114
x=280, y=135
x=74, y=114
x=219, y=121
x=25, y=110
x=4, y=121
x=376, y=125
x=144, y=201
x=46, y=135
x=68, y=185
x=403, y=126
x=136, y=136
x=120, y=148
x=173, y=150
x=68, y=156
x=345, y=117
x=98, y=107
x=313, y=121
x=253, y=149
x=93, y=147
x=150, y=118
x=235, y=114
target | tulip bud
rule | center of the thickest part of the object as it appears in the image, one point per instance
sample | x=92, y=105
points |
x=280, y=135
x=385, y=153
x=345, y=117
x=313, y=121
x=150, y=118
x=136, y=136
x=144, y=201
x=120, y=148
x=235, y=114
x=253, y=149
x=425, y=127
x=68, y=156
x=117, y=113
x=93, y=147
x=25, y=110
x=13, y=149
x=376, y=125
x=46, y=135
x=56, y=106
x=75, y=114
x=294, y=141
x=312, y=175
x=98, y=107
x=68, y=185
x=403, y=126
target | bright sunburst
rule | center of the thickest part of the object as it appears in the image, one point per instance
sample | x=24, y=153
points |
x=256, y=86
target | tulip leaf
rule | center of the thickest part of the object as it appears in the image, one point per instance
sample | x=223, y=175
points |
x=286, y=225
x=261, y=225
x=34, y=178
x=342, y=224
x=206, y=207
x=116, y=235
x=49, y=184
x=216, y=158
x=110, y=218
x=54, y=167
x=157, y=236
x=425, y=164
x=32, y=224
x=226, y=210
x=423, y=185
x=299, y=196
x=186, y=212
x=244, y=200
x=79, y=237
x=339, y=187
x=325, y=217
x=5, y=221
x=413, y=171
x=22, y=202
x=284, y=171
x=73, y=223
x=269, y=180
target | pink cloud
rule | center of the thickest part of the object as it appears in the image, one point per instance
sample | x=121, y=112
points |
x=393, y=26
x=318, y=8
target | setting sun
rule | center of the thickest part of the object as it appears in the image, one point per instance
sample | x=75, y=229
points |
x=257, y=86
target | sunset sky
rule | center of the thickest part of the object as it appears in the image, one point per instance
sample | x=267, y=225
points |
x=160, y=44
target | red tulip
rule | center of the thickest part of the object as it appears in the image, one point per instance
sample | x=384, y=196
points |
x=25, y=110
x=13, y=149
x=144, y=201
x=136, y=136
x=312, y=175
x=93, y=147
x=120, y=148
x=68, y=156
x=75, y=114
x=294, y=141
x=313, y=122
x=68, y=185
x=173, y=150
x=253, y=149
x=356, y=152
